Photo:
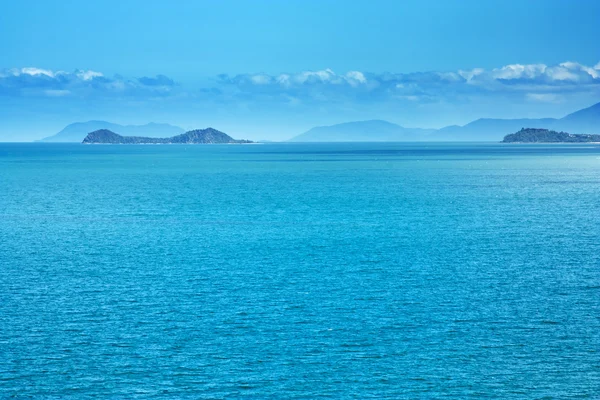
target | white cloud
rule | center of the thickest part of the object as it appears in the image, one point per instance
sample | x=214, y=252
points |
x=32, y=81
x=303, y=78
x=39, y=72
x=593, y=72
x=355, y=78
x=518, y=71
x=323, y=76
x=565, y=73
x=450, y=76
x=535, y=82
x=261, y=79
x=469, y=75
x=560, y=73
x=33, y=72
x=283, y=80
x=89, y=75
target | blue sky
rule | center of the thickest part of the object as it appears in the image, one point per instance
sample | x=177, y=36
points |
x=272, y=69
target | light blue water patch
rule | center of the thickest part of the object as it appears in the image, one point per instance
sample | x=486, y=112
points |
x=300, y=271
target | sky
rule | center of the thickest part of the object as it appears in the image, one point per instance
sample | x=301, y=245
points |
x=273, y=69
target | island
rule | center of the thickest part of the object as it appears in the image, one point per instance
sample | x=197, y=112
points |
x=533, y=135
x=197, y=136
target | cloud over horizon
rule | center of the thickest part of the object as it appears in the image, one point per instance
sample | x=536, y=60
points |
x=530, y=81
x=31, y=81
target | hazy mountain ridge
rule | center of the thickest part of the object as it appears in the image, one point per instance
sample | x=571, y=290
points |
x=362, y=131
x=585, y=121
x=77, y=131
x=488, y=129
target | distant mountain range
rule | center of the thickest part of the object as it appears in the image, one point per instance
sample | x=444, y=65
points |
x=586, y=121
x=77, y=131
x=489, y=129
x=197, y=136
x=363, y=131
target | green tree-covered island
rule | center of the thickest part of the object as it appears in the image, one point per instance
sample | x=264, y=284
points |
x=533, y=135
x=197, y=136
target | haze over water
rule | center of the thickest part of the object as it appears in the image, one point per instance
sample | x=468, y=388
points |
x=300, y=271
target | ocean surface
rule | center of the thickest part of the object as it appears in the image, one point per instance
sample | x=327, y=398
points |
x=300, y=271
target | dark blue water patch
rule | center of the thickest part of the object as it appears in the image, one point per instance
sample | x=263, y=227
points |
x=368, y=160
x=455, y=150
x=50, y=150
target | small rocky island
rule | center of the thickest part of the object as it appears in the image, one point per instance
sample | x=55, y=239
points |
x=197, y=136
x=533, y=135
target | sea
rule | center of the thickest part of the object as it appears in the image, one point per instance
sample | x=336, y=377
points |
x=300, y=271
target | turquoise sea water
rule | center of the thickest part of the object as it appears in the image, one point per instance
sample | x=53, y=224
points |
x=300, y=271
